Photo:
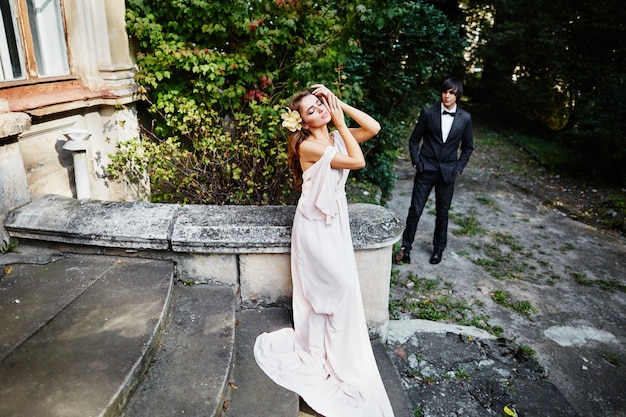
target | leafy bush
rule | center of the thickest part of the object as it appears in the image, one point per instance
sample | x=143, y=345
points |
x=215, y=75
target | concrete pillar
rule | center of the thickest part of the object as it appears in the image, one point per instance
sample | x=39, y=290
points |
x=13, y=184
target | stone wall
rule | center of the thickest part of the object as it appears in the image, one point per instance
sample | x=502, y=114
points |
x=13, y=182
x=246, y=247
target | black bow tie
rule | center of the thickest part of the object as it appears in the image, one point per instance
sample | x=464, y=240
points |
x=451, y=113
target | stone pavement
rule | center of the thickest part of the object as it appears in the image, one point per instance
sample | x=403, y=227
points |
x=459, y=371
x=573, y=275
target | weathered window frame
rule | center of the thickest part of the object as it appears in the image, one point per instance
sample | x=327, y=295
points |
x=40, y=42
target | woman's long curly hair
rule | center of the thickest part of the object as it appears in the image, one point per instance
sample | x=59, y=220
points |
x=294, y=139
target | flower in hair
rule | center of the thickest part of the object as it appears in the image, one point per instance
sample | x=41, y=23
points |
x=291, y=120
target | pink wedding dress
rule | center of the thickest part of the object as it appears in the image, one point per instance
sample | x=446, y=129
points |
x=327, y=357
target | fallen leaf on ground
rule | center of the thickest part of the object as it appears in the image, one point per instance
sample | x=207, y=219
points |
x=401, y=352
x=509, y=412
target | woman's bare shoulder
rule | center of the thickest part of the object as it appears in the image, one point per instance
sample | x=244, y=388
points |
x=311, y=148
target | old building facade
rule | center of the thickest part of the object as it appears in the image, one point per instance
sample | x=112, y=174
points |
x=66, y=72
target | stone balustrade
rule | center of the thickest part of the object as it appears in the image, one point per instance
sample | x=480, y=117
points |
x=242, y=246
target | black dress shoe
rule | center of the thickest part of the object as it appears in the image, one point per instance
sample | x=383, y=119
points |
x=436, y=258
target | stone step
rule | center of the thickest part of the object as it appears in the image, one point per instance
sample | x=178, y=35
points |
x=204, y=365
x=254, y=394
x=392, y=381
x=190, y=373
x=257, y=395
x=84, y=335
x=78, y=332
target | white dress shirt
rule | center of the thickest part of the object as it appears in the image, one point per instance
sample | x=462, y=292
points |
x=446, y=122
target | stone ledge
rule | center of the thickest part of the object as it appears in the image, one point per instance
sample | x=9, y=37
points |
x=12, y=124
x=55, y=218
x=188, y=229
x=232, y=229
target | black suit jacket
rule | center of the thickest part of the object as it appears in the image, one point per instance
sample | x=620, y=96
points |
x=434, y=155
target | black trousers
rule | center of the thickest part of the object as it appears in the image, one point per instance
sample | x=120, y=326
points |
x=422, y=186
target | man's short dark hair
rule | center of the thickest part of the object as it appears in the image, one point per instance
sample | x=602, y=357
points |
x=454, y=85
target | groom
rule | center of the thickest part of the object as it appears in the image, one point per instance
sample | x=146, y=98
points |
x=442, y=130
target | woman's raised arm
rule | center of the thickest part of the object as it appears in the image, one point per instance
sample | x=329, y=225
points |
x=368, y=126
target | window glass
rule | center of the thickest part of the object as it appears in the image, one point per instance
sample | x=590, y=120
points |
x=46, y=27
x=11, y=55
x=46, y=55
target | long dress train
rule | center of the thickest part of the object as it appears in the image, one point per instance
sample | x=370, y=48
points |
x=327, y=357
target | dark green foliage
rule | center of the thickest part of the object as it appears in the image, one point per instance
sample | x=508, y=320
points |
x=216, y=75
x=596, y=77
x=407, y=50
x=598, y=136
x=559, y=64
x=523, y=60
